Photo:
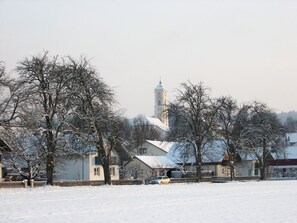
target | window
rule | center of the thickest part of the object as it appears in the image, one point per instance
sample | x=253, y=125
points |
x=256, y=172
x=142, y=151
x=97, y=160
x=97, y=171
x=112, y=171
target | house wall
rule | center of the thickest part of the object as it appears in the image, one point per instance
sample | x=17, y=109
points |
x=247, y=168
x=151, y=150
x=225, y=171
x=77, y=169
x=221, y=171
x=98, y=174
x=210, y=170
x=282, y=172
x=162, y=134
x=207, y=169
x=137, y=170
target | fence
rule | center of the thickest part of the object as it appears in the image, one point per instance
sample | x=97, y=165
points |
x=68, y=183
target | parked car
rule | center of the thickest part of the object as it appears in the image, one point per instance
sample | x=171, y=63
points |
x=160, y=180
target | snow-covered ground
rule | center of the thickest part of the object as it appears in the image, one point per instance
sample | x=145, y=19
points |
x=274, y=201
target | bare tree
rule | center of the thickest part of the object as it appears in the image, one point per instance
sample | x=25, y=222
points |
x=290, y=125
x=193, y=116
x=229, y=128
x=43, y=81
x=92, y=101
x=142, y=130
x=10, y=98
x=264, y=134
x=28, y=152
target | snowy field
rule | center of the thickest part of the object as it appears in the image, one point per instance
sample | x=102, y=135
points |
x=231, y=202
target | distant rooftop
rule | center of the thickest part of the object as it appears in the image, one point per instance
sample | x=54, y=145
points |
x=157, y=122
x=157, y=162
x=153, y=122
x=291, y=138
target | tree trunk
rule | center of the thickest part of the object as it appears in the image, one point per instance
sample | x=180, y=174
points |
x=50, y=157
x=198, y=167
x=104, y=161
x=263, y=166
x=50, y=169
x=232, y=172
x=105, y=164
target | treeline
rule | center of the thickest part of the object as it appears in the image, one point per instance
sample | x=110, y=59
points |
x=59, y=106
x=199, y=120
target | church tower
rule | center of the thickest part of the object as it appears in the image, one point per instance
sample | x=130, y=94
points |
x=161, y=104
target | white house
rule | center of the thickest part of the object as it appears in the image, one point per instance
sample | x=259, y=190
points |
x=86, y=167
x=213, y=157
x=284, y=166
x=291, y=139
x=248, y=165
x=144, y=167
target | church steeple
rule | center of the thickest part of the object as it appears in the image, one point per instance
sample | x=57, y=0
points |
x=161, y=103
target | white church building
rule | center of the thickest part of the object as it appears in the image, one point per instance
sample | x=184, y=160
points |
x=159, y=121
x=161, y=104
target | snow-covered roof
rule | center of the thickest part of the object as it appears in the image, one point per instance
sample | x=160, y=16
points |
x=290, y=152
x=214, y=152
x=157, y=122
x=150, y=121
x=291, y=138
x=163, y=145
x=247, y=156
x=157, y=162
x=90, y=150
x=179, y=153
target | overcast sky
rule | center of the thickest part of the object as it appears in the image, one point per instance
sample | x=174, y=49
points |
x=246, y=49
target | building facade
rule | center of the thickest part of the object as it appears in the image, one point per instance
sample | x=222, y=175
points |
x=87, y=167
